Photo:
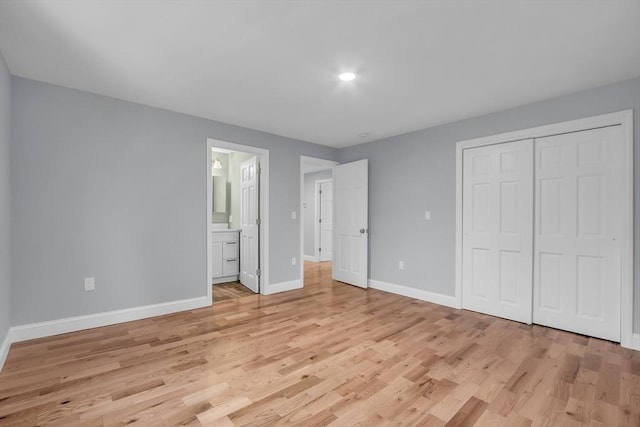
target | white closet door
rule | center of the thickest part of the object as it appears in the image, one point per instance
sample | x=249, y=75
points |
x=498, y=230
x=578, y=219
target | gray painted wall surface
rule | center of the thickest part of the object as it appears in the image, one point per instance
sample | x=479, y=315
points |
x=414, y=172
x=117, y=191
x=5, y=203
x=309, y=212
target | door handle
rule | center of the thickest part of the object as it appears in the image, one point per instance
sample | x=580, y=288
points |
x=363, y=230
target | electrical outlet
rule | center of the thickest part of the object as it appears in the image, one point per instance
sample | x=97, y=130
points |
x=294, y=261
x=401, y=265
x=89, y=283
x=427, y=215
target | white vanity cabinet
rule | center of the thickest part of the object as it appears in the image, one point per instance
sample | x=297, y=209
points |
x=225, y=255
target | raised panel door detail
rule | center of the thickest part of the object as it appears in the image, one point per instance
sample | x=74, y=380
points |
x=480, y=208
x=480, y=166
x=549, y=205
x=577, y=255
x=509, y=207
x=479, y=267
x=589, y=286
x=550, y=282
x=590, y=205
x=549, y=157
x=590, y=152
x=497, y=229
x=509, y=161
x=509, y=276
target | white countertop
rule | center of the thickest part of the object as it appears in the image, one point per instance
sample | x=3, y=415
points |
x=224, y=230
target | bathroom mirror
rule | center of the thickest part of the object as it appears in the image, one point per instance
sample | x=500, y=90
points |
x=219, y=194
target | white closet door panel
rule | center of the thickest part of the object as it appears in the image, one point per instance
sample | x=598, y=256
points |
x=497, y=229
x=578, y=217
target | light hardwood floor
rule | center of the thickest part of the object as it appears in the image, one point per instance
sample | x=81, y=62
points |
x=330, y=354
x=230, y=290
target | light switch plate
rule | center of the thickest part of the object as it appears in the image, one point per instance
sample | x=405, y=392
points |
x=89, y=283
x=427, y=215
x=293, y=215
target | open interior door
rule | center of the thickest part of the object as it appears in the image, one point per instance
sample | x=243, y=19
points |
x=351, y=223
x=250, y=224
x=326, y=221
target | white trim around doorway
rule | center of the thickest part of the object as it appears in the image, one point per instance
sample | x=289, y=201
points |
x=314, y=164
x=622, y=118
x=264, y=210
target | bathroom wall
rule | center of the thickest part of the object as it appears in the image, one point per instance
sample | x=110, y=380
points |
x=221, y=217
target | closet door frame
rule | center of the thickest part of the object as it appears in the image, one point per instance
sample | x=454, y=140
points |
x=623, y=119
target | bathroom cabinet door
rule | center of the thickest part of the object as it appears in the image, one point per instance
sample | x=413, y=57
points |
x=216, y=253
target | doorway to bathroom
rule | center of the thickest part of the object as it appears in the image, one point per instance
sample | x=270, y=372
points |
x=237, y=226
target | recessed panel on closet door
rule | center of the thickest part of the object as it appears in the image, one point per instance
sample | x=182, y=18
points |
x=497, y=229
x=578, y=183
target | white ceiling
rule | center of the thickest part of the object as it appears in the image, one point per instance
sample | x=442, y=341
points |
x=273, y=65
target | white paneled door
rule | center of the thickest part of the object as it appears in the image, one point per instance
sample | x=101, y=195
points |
x=249, y=223
x=578, y=223
x=326, y=221
x=351, y=214
x=497, y=230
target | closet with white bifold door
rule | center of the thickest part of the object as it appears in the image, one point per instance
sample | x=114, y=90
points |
x=543, y=229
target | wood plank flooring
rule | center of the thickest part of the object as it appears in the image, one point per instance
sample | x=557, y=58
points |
x=229, y=290
x=329, y=354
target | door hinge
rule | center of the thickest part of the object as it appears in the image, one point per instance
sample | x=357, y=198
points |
x=319, y=249
x=320, y=191
x=258, y=221
x=258, y=272
x=320, y=220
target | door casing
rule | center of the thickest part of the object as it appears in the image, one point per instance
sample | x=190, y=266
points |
x=264, y=209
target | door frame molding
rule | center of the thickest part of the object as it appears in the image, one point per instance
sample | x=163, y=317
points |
x=316, y=228
x=263, y=155
x=620, y=118
x=318, y=164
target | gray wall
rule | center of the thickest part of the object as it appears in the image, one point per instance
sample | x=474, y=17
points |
x=309, y=212
x=117, y=191
x=414, y=172
x=5, y=204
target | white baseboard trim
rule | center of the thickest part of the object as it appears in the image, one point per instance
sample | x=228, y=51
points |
x=283, y=287
x=436, y=298
x=4, y=348
x=635, y=342
x=72, y=324
x=311, y=258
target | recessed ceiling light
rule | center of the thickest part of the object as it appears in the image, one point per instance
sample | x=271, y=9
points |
x=363, y=134
x=345, y=77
